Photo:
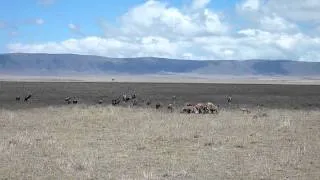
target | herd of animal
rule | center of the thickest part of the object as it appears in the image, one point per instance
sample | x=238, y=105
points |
x=131, y=99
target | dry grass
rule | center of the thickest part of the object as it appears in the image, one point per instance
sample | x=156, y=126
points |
x=92, y=142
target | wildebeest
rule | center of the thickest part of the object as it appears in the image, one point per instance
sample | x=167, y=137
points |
x=229, y=99
x=74, y=101
x=100, y=101
x=148, y=102
x=189, y=109
x=134, y=102
x=133, y=96
x=68, y=100
x=27, y=97
x=158, y=106
x=18, y=98
x=115, y=101
x=188, y=104
x=170, y=107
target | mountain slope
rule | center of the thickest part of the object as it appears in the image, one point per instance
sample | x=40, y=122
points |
x=56, y=64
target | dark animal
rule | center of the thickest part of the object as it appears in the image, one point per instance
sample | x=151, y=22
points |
x=126, y=98
x=188, y=104
x=229, y=99
x=100, y=101
x=27, y=97
x=170, y=107
x=189, y=109
x=74, y=101
x=134, y=102
x=115, y=101
x=68, y=100
x=18, y=98
x=158, y=106
x=148, y=102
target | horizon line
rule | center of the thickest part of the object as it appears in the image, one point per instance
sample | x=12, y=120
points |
x=154, y=57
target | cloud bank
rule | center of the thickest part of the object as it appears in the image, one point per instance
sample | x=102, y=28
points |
x=272, y=30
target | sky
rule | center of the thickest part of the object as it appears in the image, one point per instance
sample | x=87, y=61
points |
x=180, y=29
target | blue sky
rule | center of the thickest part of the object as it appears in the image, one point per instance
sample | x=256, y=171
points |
x=59, y=13
x=197, y=29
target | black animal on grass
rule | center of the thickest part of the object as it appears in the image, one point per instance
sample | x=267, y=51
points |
x=170, y=107
x=116, y=101
x=74, y=101
x=134, y=102
x=125, y=98
x=18, y=98
x=229, y=99
x=26, y=98
x=158, y=106
x=148, y=102
x=133, y=96
x=68, y=100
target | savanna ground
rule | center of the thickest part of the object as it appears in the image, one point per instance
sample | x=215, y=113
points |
x=244, y=95
x=43, y=140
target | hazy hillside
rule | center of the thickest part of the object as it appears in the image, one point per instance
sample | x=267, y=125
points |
x=53, y=64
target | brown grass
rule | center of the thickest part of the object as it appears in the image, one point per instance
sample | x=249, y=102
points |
x=91, y=142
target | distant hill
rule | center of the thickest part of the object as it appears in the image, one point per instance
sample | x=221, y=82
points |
x=62, y=64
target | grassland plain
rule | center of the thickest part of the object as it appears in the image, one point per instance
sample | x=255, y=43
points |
x=244, y=95
x=105, y=142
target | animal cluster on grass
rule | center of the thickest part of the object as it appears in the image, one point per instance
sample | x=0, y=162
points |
x=132, y=100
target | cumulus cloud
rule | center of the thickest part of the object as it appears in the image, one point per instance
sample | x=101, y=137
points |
x=300, y=11
x=155, y=28
x=159, y=18
x=276, y=23
x=250, y=44
x=303, y=11
x=198, y=4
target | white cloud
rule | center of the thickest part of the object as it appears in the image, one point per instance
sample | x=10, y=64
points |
x=250, y=5
x=199, y=4
x=304, y=11
x=297, y=10
x=247, y=32
x=159, y=18
x=155, y=28
x=39, y=21
x=251, y=45
x=276, y=23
